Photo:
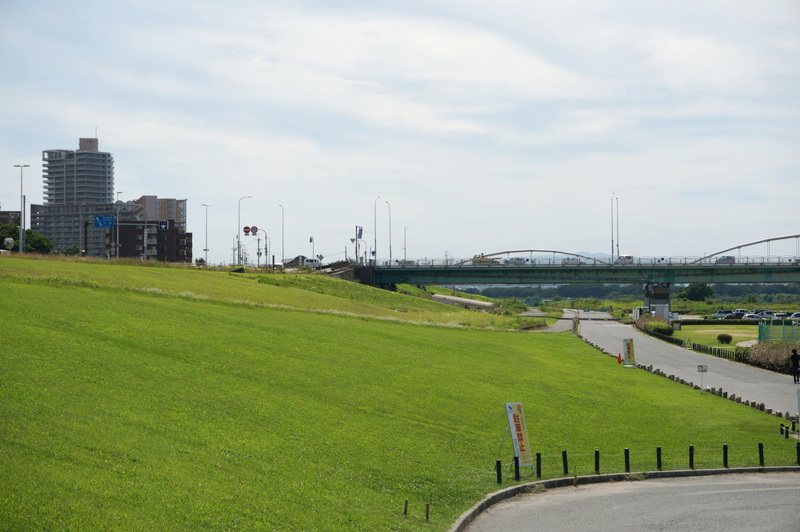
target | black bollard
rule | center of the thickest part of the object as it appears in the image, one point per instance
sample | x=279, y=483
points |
x=538, y=465
x=691, y=457
x=798, y=453
x=781, y=429
x=516, y=467
x=566, y=465
x=658, y=458
x=627, y=460
x=786, y=432
x=761, y=454
x=597, y=461
x=499, y=467
x=725, y=456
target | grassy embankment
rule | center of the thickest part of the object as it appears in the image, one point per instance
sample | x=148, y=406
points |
x=155, y=398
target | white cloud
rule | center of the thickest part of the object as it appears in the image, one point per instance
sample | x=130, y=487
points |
x=703, y=64
x=486, y=126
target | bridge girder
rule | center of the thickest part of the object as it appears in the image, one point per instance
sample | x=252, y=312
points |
x=577, y=274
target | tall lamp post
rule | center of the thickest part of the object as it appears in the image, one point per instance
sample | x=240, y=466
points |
x=21, y=209
x=375, y=228
x=206, y=205
x=239, y=232
x=283, y=255
x=390, y=233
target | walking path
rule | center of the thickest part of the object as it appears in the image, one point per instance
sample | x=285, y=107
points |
x=775, y=390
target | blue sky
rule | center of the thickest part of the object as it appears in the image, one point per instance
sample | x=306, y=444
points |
x=487, y=126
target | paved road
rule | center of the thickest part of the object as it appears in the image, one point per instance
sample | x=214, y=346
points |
x=752, y=502
x=776, y=391
x=745, y=501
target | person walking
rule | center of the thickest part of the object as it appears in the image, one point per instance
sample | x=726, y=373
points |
x=795, y=358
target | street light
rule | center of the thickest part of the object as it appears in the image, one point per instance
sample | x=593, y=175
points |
x=21, y=209
x=283, y=255
x=206, y=205
x=390, y=233
x=375, y=227
x=239, y=232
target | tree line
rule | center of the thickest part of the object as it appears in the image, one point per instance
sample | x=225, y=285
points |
x=778, y=293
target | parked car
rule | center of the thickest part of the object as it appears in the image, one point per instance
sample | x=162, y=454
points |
x=742, y=310
x=767, y=315
x=726, y=259
x=780, y=316
x=718, y=315
x=795, y=316
x=752, y=316
x=735, y=315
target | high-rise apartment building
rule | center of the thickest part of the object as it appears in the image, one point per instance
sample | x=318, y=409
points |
x=85, y=175
x=79, y=211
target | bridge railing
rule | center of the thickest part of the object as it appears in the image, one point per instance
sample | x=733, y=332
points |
x=569, y=262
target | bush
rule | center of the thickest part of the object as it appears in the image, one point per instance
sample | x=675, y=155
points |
x=656, y=326
x=724, y=338
x=773, y=356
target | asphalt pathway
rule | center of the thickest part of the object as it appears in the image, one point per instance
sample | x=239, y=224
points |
x=776, y=391
x=742, y=501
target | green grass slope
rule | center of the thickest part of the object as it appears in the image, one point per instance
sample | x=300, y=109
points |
x=147, y=409
x=301, y=291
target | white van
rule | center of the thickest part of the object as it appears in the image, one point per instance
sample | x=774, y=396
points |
x=312, y=263
x=624, y=259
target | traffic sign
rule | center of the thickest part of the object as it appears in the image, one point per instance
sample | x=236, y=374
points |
x=246, y=230
x=163, y=224
x=105, y=220
x=254, y=229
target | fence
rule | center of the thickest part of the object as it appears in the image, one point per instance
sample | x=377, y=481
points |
x=779, y=331
x=727, y=354
x=660, y=458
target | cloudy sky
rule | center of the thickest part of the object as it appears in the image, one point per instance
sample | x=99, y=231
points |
x=486, y=126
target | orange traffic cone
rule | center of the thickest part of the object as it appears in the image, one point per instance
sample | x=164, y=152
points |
x=619, y=358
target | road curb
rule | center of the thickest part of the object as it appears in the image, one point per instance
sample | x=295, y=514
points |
x=498, y=496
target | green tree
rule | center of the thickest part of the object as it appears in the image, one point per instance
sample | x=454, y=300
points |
x=10, y=231
x=34, y=242
x=37, y=243
x=72, y=251
x=696, y=292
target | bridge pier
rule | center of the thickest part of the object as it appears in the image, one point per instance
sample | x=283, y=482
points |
x=656, y=298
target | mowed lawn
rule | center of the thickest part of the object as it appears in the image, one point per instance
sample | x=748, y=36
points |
x=707, y=334
x=124, y=409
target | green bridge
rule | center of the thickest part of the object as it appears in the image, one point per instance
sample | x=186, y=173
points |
x=599, y=273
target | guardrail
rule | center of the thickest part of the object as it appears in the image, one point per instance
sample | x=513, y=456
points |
x=588, y=262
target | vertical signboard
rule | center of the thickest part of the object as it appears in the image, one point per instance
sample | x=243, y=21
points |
x=627, y=348
x=519, y=433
